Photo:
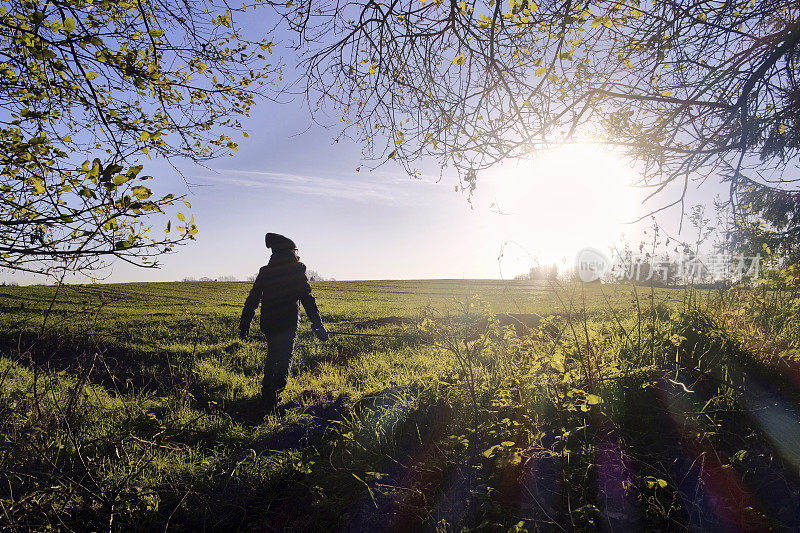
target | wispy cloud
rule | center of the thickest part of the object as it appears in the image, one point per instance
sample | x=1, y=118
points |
x=383, y=188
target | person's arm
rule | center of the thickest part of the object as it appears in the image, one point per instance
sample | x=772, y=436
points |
x=312, y=311
x=250, y=306
x=310, y=305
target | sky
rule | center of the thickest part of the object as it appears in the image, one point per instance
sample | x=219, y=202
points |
x=290, y=177
x=383, y=224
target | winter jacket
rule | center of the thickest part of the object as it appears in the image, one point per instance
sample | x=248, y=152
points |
x=280, y=287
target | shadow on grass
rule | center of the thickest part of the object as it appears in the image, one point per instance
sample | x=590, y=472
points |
x=305, y=432
x=120, y=370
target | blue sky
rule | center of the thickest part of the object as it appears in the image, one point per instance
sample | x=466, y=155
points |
x=290, y=177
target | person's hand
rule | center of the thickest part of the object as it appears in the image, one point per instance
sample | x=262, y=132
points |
x=320, y=331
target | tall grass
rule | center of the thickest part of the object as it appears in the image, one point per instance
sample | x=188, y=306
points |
x=626, y=408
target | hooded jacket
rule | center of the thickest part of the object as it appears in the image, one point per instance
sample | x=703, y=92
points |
x=280, y=286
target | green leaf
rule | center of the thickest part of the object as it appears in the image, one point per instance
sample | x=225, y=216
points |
x=134, y=171
x=95, y=170
x=593, y=399
x=141, y=192
x=488, y=453
x=119, y=179
x=69, y=24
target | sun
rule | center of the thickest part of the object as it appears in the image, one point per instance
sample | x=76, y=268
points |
x=572, y=197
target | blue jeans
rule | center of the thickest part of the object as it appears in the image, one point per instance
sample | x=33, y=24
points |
x=280, y=346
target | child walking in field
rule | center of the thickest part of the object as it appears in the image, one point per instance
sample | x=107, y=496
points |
x=280, y=286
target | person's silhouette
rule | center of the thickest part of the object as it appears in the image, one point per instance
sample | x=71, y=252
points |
x=280, y=287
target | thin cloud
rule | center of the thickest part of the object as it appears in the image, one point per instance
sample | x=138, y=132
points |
x=386, y=189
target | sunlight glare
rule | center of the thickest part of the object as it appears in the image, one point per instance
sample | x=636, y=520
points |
x=571, y=197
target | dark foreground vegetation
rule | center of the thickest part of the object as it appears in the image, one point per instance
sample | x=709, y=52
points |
x=133, y=407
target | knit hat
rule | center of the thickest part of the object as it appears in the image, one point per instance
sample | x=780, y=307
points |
x=278, y=242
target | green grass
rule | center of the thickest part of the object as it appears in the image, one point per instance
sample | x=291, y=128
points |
x=136, y=407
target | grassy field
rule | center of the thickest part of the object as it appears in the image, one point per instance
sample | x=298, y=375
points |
x=135, y=406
